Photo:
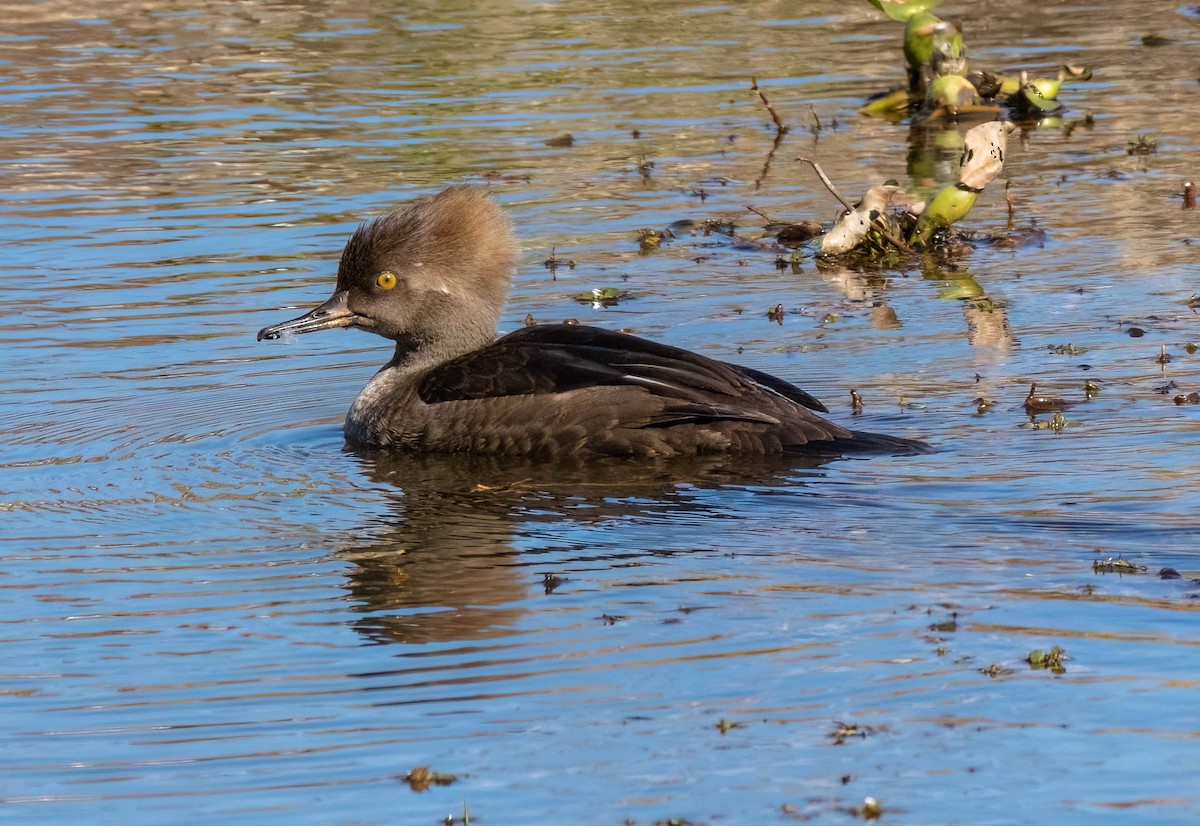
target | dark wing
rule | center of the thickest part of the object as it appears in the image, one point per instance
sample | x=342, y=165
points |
x=554, y=358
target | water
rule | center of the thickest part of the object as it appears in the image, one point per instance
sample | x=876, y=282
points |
x=214, y=612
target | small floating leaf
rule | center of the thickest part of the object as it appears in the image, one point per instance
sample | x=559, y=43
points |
x=1117, y=565
x=602, y=295
x=1051, y=660
x=949, y=205
x=1142, y=145
x=422, y=777
x=1066, y=349
x=902, y=10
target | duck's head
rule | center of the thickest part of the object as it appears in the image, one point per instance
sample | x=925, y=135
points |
x=434, y=273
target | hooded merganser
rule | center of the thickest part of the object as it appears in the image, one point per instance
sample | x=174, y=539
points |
x=433, y=277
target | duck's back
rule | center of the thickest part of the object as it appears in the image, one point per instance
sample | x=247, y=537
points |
x=559, y=390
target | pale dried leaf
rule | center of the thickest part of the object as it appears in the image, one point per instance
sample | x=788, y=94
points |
x=983, y=153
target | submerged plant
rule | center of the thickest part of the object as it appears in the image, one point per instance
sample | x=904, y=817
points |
x=871, y=227
x=939, y=81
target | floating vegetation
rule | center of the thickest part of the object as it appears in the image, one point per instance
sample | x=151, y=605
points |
x=1035, y=404
x=1058, y=423
x=422, y=778
x=1142, y=145
x=603, y=296
x=842, y=731
x=1051, y=660
x=650, y=240
x=1117, y=566
x=563, y=141
x=942, y=87
x=554, y=262
x=1066, y=349
x=873, y=229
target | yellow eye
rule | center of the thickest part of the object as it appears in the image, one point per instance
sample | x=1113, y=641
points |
x=386, y=280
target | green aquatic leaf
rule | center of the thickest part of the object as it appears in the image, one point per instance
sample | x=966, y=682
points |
x=1033, y=98
x=951, y=92
x=602, y=295
x=926, y=33
x=902, y=10
x=889, y=103
x=1047, y=87
x=950, y=205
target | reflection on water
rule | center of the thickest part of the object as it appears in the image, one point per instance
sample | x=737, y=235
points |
x=210, y=603
x=443, y=558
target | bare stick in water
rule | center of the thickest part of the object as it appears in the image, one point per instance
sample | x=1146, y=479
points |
x=828, y=183
x=779, y=127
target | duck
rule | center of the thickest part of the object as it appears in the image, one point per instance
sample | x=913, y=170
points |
x=433, y=278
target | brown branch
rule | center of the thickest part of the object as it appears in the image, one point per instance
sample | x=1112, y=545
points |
x=828, y=183
x=761, y=214
x=779, y=127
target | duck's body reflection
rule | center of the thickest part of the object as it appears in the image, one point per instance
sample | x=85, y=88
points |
x=446, y=560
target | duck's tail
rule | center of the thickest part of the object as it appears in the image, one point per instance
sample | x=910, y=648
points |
x=862, y=441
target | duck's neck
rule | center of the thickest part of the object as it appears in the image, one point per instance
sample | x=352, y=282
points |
x=436, y=343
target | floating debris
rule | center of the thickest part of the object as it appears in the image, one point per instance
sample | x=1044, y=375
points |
x=795, y=234
x=563, y=141
x=982, y=160
x=603, y=296
x=1051, y=660
x=724, y=725
x=1142, y=145
x=421, y=778
x=779, y=126
x=1169, y=573
x=1190, y=398
x=1066, y=349
x=841, y=731
x=995, y=670
x=1035, y=404
x=1117, y=565
x=649, y=240
x=776, y=314
x=553, y=262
